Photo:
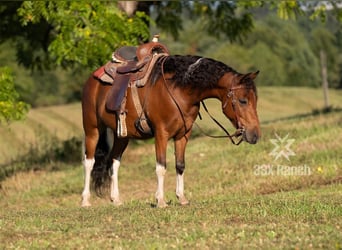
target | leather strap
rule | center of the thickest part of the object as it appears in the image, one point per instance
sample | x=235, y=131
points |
x=141, y=114
x=141, y=82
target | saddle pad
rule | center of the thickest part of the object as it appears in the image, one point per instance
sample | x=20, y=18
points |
x=99, y=72
x=106, y=73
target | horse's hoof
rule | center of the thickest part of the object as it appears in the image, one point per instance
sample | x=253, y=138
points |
x=85, y=204
x=162, y=204
x=117, y=203
x=184, y=202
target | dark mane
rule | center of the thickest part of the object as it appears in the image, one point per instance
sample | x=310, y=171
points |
x=191, y=71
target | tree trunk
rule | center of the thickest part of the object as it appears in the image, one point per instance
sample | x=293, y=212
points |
x=128, y=6
x=325, y=84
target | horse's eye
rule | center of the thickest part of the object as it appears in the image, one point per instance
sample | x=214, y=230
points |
x=243, y=101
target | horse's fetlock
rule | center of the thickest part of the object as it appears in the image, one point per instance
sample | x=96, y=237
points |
x=180, y=166
x=85, y=200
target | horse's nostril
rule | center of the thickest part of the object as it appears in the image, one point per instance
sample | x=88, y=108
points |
x=255, y=138
x=251, y=137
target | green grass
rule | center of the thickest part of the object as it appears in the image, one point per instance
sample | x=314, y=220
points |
x=235, y=201
x=51, y=218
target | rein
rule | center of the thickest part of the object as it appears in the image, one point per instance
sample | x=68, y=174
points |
x=237, y=133
x=230, y=94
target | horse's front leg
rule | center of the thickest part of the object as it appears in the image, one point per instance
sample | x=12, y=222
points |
x=114, y=186
x=161, y=145
x=180, y=167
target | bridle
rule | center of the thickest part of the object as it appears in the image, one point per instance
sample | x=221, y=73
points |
x=230, y=95
x=240, y=130
x=234, y=100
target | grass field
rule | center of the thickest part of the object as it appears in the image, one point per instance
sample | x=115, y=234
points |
x=240, y=197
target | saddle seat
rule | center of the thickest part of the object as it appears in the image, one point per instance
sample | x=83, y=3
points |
x=134, y=58
x=125, y=53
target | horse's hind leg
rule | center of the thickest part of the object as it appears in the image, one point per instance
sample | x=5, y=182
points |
x=119, y=147
x=88, y=166
x=89, y=160
x=91, y=132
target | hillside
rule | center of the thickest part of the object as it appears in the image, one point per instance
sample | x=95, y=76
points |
x=65, y=122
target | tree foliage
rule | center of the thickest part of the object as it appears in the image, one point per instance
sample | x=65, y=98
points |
x=285, y=51
x=10, y=106
x=84, y=33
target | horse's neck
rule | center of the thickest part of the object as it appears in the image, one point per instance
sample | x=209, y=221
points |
x=202, y=95
x=219, y=91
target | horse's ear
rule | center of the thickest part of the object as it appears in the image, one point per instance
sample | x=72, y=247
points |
x=249, y=76
x=253, y=75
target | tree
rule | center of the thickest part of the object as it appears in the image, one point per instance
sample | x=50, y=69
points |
x=83, y=33
x=278, y=49
x=77, y=33
x=70, y=34
x=10, y=106
x=323, y=40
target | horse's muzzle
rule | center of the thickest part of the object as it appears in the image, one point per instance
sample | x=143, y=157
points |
x=251, y=136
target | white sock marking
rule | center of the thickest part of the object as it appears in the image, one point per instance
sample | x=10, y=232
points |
x=114, y=190
x=88, y=167
x=180, y=185
x=160, y=171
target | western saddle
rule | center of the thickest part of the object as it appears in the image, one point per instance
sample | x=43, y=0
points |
x=130, y=67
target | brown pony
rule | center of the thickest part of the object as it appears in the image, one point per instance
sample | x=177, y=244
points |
x=171, y=102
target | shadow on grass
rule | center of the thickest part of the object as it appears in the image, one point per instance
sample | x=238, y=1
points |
x=51, y=155
x=313, y=113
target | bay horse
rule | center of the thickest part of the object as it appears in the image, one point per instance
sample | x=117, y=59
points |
x=171, y=102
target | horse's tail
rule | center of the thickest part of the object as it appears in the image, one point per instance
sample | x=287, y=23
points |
x=103, y=161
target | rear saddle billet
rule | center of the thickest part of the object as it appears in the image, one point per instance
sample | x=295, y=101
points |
x=130, y=67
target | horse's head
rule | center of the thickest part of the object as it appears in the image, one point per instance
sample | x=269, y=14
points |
x=239, y=104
